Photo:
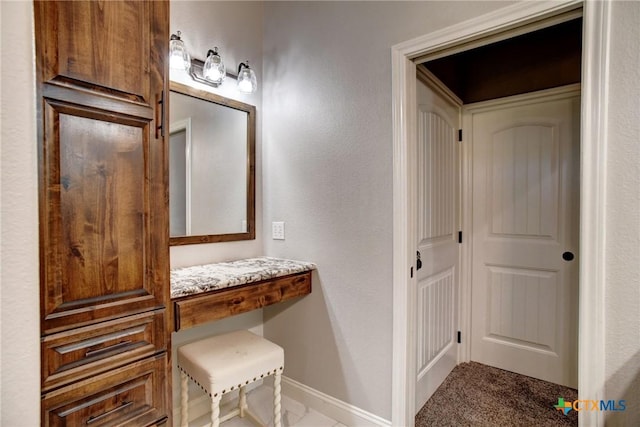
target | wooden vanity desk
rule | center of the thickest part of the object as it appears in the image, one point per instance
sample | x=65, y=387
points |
x=203, y=293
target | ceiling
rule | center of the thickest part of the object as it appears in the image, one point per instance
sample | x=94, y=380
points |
x=542, y=59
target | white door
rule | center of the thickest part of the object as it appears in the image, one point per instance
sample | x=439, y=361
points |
x=437, y=240
x=525, y=221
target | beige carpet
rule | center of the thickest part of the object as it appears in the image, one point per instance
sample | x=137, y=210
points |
x=479, y=395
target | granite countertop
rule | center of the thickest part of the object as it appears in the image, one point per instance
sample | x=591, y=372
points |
x=210, y=277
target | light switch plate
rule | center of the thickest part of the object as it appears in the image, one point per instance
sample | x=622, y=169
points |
x=277, y=230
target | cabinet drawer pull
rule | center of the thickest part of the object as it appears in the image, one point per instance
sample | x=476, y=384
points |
x=90, y=353
x=93, y=419
x=160, y=122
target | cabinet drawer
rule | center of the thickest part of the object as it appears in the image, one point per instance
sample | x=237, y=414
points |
x=200, y=308
x=83, y=352
x=132, y=395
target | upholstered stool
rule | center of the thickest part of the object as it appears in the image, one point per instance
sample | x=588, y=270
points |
x=227, y=362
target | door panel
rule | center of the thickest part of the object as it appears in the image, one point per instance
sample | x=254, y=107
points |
x=438, y=220
x=435, y=296
x=523, y=187
x=525, y=215
x=99, y=165
x=99, y=256
x=522, y=310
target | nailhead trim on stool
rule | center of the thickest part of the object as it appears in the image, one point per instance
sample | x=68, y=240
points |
x=218, y=363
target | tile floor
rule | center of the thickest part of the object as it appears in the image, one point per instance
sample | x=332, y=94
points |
x=260, y=400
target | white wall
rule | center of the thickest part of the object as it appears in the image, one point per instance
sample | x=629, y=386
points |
x=622, y=317
x=19, y=282
x=327, y=157
x=236, y=29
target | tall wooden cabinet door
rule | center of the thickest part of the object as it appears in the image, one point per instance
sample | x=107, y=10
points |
x=101, y=68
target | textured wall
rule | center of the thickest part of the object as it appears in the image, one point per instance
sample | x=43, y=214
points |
x=236, y=29
x=327, y=156
x=622, y=318
x=19, y=282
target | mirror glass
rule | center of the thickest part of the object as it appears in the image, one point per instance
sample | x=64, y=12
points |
x=211, y=167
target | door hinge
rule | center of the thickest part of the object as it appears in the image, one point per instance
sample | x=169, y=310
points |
x=412, y=272
x=459, y=337
x=459, y=135
x=459, y=236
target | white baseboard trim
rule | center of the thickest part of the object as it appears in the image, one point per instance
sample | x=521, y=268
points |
x=340, y=411
x=343, y=412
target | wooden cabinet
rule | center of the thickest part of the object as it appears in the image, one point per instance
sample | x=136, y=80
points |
x=104, y=255
x=197, y=309
x=81, y=352
x=131, y=395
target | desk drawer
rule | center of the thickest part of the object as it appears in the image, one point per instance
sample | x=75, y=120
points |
x=131, y=395
x=200, y=308
x=79, y=353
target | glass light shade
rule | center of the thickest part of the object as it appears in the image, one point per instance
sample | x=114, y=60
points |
x=179, y=58
x=247, y=82
x=214, y=69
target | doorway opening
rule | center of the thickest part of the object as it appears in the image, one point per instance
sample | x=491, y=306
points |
x=501, y=25
x=519, y=101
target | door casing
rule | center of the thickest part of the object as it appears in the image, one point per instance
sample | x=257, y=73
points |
x=501, y=24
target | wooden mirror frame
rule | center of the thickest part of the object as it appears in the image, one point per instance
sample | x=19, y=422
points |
x=250, y=234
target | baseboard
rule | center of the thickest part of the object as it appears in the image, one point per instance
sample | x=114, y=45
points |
x=343, y=412
x=336, y=409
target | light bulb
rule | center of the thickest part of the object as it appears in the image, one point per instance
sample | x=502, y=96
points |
x=214, y=69
x=179, y=58
x=247, y=82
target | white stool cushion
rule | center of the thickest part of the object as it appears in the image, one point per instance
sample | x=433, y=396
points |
x=224, y=362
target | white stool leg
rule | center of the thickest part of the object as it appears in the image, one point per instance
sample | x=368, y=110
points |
x=242, y=401
x=184, y=397
x=215, y=410
x=276, y=400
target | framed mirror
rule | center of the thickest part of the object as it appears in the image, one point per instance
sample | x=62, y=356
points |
x=211, y=167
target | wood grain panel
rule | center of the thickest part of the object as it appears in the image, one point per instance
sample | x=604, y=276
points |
x=99, y=237
x=102, y=45
x=82, y=352
x=131, y=395
x=198, y=309
x=100, y=169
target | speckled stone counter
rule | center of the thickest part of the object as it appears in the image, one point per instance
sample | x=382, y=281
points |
x=210, y=277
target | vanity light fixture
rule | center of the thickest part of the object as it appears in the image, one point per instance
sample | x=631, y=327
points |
x=179, y=58
x=212, y=71
x=247, y=82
